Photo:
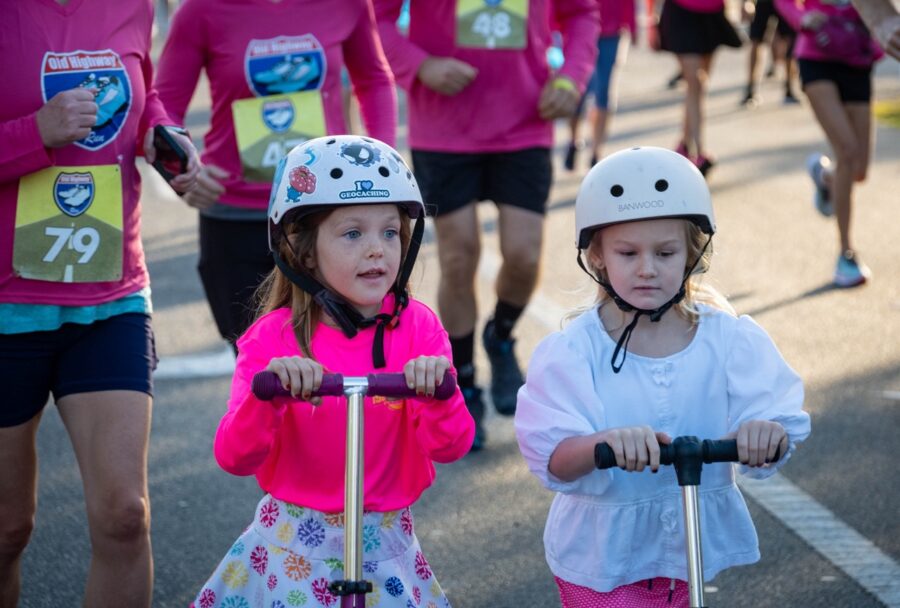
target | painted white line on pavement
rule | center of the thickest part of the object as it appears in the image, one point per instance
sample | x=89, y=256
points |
x=893, y=395
x=837, y=542
x=840, y=544
x=200, y=365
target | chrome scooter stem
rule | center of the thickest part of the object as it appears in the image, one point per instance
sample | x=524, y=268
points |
x=692, y=544
x=354, y=390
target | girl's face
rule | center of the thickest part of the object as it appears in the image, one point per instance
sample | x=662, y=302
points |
x=358, y=254
x=644, y=261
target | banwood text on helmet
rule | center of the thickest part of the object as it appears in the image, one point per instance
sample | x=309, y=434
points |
x=641, y=184
x=336, y=171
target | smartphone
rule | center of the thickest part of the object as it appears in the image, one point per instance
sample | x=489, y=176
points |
x=171, y=159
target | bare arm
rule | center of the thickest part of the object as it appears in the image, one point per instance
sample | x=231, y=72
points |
x=883, y=19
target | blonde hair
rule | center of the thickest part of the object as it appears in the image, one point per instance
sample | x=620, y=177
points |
x=297, y=247
x=695, y=291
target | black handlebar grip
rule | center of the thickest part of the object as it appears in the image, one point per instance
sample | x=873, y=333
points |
x=394, y=385
x=267, y=385
x=720, y=450
x=604, y=457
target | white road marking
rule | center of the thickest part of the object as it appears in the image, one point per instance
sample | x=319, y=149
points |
x=200, y=365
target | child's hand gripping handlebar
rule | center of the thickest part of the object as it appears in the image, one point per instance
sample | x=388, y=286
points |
x=687, y=453
x=266, y=386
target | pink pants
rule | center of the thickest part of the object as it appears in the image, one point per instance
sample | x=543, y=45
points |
x=655, y=593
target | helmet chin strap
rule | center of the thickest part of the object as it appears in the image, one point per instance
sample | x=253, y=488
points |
x=655, y=314
x=348, y=318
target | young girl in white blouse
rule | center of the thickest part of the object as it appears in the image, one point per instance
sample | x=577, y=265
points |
x=658, y=356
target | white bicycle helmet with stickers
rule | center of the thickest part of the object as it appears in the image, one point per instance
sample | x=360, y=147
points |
x=644, y=183
x=336, y=171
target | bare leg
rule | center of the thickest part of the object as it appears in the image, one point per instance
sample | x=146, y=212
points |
x=694, y=69
x=847, y=128
x=459, y=247
x=521, y=239
x=599, y=121
x=18, y=502
x=110, y=431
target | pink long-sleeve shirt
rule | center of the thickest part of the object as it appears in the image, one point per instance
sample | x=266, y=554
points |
x=617, y=15
x=215, y=35
x=806, y=48
x=498, y=111
x=296, y=450
x=45, y=46
x=701, y=6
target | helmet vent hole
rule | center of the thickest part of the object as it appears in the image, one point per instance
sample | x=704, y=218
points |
x=408, y=175
x=330, y=142
x=336, y=173
x=384, y=171
x=661, y=185
x=617, y=190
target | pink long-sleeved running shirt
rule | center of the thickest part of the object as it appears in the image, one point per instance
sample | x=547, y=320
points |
x=70, y=216
x=296, y=450
x=256, y=49
x=498, y=111
x=865, y=50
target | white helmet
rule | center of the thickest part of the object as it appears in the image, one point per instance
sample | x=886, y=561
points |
x=340, y=170
x=640, y=184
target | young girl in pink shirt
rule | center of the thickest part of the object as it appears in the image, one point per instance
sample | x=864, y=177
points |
x=337, y=301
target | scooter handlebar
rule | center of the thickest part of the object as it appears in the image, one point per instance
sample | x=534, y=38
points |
x=267, y=385
x=713, y=450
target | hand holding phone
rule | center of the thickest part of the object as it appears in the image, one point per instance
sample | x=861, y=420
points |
x=171, y=159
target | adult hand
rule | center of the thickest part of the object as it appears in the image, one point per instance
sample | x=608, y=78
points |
x=559, y=99
x=759, y=440
x=446, y=75
x=300, y=375
x=183, y=181
x=887, y=32
x=207, y=189
x=67, y=117
x=425, y=373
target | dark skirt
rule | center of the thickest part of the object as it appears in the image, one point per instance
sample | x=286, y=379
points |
x=686, y=32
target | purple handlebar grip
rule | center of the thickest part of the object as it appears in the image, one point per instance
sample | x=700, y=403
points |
x=394, y=385
x=266, y=386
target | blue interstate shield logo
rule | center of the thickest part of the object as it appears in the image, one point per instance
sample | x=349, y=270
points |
x=278, y=115
x=286, y=64
x=73, y=193
x=102, y=73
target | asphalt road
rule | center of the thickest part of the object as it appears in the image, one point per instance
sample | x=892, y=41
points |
x=481, y=523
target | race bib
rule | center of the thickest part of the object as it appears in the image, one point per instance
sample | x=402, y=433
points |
x=491, y=24
x=69, y=225
x=267, y=128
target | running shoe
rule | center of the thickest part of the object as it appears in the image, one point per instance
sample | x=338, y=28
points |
x=475, y=405
x=815, y=165
x=750, y=99
x=506, y=377
x=571, y=154
x=790, y=99
x=704, y=164
x=850, y=271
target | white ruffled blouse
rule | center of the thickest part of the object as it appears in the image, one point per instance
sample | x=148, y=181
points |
x=611, y=528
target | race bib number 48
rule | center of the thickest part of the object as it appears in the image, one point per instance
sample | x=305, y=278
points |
x=491, y=24
x=69, y=225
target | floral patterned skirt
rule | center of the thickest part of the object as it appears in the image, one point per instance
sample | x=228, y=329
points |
x=289, y=555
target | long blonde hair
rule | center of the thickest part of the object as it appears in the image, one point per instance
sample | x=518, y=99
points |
x=298, y=249
x=695, y=291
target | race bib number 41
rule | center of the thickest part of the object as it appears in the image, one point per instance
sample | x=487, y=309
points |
x=491, y=24
x=69, y=225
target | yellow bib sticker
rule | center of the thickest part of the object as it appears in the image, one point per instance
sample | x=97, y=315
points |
x=268, y=127
x=491, y=24
x=69, y=225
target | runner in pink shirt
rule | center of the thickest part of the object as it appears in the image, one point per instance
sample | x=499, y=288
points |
x=274, y=70
x=835, y=54
x=74, y=296
x=339, y=222
x=482, y=100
